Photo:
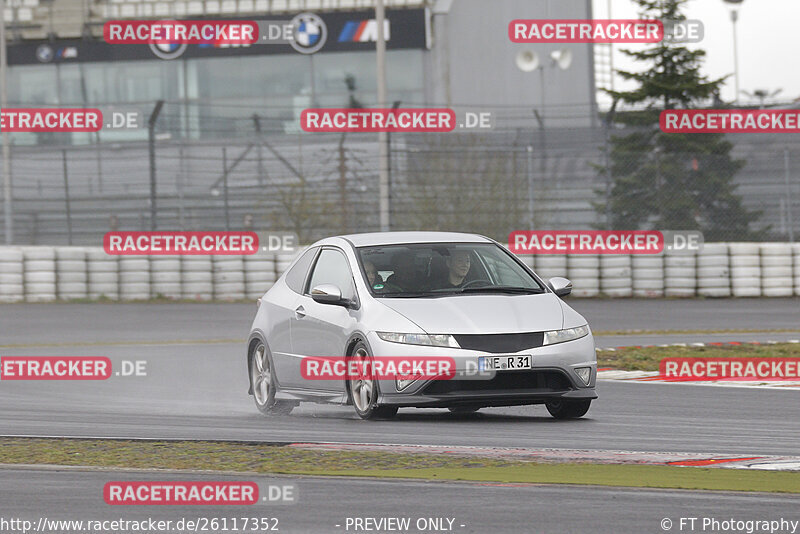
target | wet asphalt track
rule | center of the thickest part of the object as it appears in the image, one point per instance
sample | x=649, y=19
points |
x=196, y=384
x=196, y=388
x=65, y=323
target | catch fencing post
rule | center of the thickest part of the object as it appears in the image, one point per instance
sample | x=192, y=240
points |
x=66, y=197
x=151, y=143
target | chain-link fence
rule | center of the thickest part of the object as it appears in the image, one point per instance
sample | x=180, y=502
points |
x=260, y=175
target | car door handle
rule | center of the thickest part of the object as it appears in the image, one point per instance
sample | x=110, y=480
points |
x=300, y=312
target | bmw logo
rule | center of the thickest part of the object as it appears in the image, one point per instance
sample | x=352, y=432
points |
x=168, y=50
x=310, y=33
x=44, y=53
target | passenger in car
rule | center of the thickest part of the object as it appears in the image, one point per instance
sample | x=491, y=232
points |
x=404, y=277
x=371, y=272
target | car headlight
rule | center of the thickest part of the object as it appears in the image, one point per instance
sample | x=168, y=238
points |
x=433, y=340
x=568, y=334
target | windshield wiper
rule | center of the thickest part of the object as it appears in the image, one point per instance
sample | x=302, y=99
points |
x=504, y=289
x=408, y=294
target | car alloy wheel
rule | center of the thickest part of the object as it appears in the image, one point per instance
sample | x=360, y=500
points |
x=263, y=383
x=364, y=388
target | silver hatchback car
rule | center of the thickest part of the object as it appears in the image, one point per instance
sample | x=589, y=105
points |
x=461, y=298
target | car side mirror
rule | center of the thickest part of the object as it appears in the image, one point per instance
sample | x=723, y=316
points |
x=329, y=294
x=560, y=286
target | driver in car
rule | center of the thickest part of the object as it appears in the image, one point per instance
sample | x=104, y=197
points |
x=458, y=264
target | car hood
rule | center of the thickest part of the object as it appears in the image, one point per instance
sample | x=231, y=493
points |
x=481, y=314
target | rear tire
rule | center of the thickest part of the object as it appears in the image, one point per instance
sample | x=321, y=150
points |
x=364, y=391
x=262, y=381
x=568, y=409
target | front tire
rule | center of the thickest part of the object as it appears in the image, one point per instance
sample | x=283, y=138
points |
x=568, y=409
x=262, y=380
x=364, y=391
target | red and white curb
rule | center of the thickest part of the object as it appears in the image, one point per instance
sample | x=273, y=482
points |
x=709, y=344
x=681, y=459
x=655, y=376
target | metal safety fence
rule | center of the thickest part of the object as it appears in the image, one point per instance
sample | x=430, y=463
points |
x=261, y=176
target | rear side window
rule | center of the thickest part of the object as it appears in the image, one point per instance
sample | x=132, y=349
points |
x=297, y=274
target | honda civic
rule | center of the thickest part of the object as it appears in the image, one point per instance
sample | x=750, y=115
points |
x=459, y=298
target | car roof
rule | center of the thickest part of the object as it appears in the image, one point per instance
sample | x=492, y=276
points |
x=404, y=238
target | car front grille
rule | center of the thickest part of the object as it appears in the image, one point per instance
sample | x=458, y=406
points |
x=500, y=343
x=544, y=381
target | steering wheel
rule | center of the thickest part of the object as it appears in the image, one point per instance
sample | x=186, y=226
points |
x=474, y=282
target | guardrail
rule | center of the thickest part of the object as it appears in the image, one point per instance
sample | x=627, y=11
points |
x=46, y=273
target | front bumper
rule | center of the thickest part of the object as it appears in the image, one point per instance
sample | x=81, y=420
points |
x=553, y=376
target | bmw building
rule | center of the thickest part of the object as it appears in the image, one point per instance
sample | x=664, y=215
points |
x=58, y=57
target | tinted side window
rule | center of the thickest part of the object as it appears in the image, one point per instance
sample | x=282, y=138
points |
x=297, y=274
x=332, y=268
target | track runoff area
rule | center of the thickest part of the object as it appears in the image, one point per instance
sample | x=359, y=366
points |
x=218, y=428
x=166, y=351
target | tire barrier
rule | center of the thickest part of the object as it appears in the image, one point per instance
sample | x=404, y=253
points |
x=713, y=271
x=228, y=277
x=745, y=261
x=196, y=278
x=103, y=274
x=72, y=278
x=259, y=275
x=679, y=274
x=12, y=288
x=616, y=275
x=584, y=272
x=165, y=277
x=796, y=268
x=134, y=278
x=549, y=265
x=44, y=273
x=776, y=270
x=648, y=276
x=39, y=273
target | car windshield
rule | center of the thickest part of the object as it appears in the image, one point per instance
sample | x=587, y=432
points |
x=435, y=269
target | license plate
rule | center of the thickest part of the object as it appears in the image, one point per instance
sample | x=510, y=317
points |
x=505, y=363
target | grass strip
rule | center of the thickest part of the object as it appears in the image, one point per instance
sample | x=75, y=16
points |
x=276, y=459
x=648, y=358
x=646, y=332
